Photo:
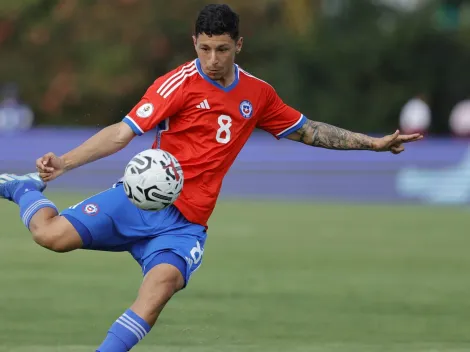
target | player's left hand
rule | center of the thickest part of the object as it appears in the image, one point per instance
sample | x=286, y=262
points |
x=394, y=142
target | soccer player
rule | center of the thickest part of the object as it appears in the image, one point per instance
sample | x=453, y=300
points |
x=204, y=112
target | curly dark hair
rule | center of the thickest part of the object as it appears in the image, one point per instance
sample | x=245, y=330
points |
x=217, y=19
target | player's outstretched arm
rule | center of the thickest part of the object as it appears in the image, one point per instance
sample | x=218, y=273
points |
x=104, y=143
x=323, y=135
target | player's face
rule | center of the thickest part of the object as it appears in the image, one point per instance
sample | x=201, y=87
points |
x=217, y=54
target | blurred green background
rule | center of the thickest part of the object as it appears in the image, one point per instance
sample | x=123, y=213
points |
x=352, y=63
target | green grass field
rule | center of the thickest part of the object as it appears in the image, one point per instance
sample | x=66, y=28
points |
x=291, y=277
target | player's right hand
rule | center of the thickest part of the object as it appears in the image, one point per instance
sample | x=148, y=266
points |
x=50, y=166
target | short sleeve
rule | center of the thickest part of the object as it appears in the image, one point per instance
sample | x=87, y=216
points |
x=162, y=100
x=279, y=119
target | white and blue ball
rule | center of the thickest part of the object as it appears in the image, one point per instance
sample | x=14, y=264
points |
x=153, y=179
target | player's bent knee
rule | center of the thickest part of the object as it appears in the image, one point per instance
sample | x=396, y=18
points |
x=167, y=269
x=57, y=235
x=159, y=285
x=51, y=243
x=51, y=240
x=165, y=279
x=161, y=295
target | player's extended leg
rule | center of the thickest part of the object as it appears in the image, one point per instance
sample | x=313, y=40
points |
x=159, y=285
x=38, y=213
x=168, y=261
x=167, y=246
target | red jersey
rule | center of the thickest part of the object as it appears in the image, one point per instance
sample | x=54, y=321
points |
x=205, y=125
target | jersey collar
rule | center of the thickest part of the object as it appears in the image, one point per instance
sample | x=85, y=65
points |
x=208, y=79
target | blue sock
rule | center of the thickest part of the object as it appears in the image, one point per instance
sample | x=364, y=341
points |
x=125, y=333
x=30, y=201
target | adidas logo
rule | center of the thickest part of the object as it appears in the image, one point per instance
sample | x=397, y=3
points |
x=203, y=105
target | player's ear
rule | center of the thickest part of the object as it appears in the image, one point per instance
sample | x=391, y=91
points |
x=194, y=40
x=239, y=45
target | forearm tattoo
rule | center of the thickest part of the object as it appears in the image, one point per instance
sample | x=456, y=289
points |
x=323, y=135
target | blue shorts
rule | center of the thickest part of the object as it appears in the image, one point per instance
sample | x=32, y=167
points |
x=108, y=221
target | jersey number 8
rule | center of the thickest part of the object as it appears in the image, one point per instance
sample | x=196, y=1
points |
x=223, y=133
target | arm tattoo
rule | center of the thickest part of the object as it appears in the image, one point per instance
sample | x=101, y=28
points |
x=323, y=135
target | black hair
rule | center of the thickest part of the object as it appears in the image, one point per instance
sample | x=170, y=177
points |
x=217, y=19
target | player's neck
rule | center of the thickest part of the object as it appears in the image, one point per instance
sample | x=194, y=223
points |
x=228, y=79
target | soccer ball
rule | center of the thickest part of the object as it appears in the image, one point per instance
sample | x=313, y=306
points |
x=153, y=179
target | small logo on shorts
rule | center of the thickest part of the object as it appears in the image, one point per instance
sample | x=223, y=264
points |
x=91, y=209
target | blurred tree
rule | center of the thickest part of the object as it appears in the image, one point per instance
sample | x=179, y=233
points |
x=298, y=15
x=448, y=13
x=87, y=62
